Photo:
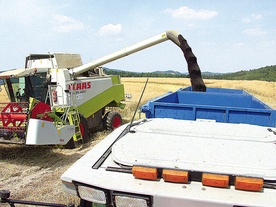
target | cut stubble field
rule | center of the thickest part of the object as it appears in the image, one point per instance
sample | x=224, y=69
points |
x=33, y=172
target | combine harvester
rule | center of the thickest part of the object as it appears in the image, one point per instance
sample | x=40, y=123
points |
x=56, y=99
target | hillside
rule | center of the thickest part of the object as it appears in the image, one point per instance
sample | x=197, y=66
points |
x=267, y=73
x=167, y=73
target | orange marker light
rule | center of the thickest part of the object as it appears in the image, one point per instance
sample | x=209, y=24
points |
x=249, y=184
x=175, y=176
x=215, y=180
x=147, y=173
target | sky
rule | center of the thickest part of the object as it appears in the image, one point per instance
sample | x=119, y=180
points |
x=225, y=36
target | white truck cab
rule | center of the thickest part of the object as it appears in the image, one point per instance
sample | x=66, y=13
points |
x=168, y=162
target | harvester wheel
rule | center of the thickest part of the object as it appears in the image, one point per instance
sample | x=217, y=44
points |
x=84, y=129
x=84, y=133
x=112, y=120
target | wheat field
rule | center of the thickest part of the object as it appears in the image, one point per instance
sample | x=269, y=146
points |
x=33, y=173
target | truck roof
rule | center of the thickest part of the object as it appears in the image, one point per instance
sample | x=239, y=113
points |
x=204, y=146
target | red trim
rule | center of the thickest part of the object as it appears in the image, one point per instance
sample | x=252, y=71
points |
x=116, y=122
x=81, y=129
x=41, y=108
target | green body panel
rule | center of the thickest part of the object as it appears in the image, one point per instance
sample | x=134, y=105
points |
x=110, y=97
x=115, y=79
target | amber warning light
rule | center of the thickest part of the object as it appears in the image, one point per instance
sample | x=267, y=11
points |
x=208, y=179
x=147, y=173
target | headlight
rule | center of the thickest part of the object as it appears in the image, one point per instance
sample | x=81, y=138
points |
x=92, y=194
x=122, y=201
x=133, y=200
x=114, y=198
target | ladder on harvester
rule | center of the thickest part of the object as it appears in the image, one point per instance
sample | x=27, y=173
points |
x=69, y=109
x=74, y=116
x=74, y=119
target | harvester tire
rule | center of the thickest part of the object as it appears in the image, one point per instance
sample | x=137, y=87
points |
x=84, y=129
x=84, y=132
x=112, y=120
x=70, y=144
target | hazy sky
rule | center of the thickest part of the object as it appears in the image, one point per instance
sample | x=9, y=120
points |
x=225, y=36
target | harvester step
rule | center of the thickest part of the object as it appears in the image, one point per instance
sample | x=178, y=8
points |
x=74, y=119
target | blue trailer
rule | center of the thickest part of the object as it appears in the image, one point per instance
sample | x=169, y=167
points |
x=219, y=104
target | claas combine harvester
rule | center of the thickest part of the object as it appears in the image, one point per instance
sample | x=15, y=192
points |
x=56, y=99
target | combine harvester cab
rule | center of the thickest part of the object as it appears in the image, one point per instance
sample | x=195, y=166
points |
x=213, y=148
x=15, y=114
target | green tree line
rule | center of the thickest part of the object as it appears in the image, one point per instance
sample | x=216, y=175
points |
x=267, y=73
x=150, y=74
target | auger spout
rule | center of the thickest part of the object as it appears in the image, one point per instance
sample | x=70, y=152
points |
x=174, y=36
